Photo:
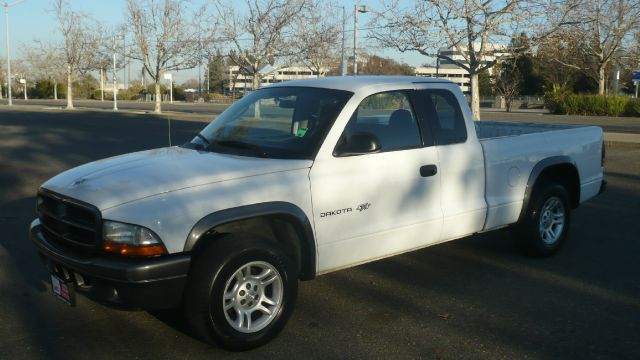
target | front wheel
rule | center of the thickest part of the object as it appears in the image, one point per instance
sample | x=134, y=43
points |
x=241, y=293
x=544, y=228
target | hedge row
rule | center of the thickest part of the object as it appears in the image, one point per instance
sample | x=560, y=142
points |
x=562, y=102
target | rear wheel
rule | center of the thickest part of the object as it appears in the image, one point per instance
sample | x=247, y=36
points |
x=241, y=292
x=544, y=228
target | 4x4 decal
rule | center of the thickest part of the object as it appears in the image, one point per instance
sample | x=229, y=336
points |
x=360, y=208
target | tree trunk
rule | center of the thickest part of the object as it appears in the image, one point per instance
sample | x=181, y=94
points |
x=101, y=84
x=55, y=89
x=475, y=97
x=601, y=80
x=69, y=89
x=158, y=107
x=255, y=81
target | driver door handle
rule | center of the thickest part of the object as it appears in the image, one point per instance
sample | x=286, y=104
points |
x=428, y=170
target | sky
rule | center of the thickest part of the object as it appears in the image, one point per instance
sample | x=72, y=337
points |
x=31, y=20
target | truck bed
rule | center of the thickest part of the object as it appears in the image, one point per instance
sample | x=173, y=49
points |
x=496, y=129
x=512, y=149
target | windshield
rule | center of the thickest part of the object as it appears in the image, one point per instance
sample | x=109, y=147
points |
x=280, y=122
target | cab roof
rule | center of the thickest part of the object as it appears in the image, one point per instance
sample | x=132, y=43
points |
x=355, y=83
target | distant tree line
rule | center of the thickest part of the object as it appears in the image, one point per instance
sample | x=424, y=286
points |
x=529, y=46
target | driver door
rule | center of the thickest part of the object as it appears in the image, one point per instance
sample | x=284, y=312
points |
x=384, y=200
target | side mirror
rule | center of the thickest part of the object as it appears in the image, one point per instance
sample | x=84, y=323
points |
x=358, y=144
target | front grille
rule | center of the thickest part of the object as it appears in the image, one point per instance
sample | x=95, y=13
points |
x=69, y=223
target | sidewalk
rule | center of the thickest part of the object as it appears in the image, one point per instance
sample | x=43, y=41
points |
x=616, y=140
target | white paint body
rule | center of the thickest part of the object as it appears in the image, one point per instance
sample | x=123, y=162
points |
x=480, y=184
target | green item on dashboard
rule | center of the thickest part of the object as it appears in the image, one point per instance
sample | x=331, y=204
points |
x=301, y=132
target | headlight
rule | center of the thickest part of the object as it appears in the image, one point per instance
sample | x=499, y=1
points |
x=130, y=240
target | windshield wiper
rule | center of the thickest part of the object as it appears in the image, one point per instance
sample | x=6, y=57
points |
x=241, y=145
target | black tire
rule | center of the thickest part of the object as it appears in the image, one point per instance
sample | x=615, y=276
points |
x=212, y=275
x=529, y=233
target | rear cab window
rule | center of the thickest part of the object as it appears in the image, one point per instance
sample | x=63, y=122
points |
x=445, y=118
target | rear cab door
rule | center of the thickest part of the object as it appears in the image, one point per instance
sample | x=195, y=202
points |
x=461, y=159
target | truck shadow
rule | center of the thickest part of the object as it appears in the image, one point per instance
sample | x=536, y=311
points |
x=35, y=146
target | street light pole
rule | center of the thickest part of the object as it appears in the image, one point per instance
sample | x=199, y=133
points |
x=357, y=9
x=6, y=18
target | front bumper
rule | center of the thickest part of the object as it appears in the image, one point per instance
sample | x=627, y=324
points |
x=148, y=283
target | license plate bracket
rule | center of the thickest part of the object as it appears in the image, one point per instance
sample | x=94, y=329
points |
x=63, y=290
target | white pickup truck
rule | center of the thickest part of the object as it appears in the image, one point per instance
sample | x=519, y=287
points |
x=299, y=179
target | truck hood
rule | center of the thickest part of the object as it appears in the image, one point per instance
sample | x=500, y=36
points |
x=126, y=178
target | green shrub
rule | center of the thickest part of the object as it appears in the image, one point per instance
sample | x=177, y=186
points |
x=563, y=102
x=553, y=101
x=632, y=108
x=616, y=105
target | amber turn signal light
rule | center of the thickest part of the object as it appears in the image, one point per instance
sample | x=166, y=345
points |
x=133, y=251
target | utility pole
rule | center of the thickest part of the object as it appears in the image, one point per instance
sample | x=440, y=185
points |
x=357, y=9
x=343, y=61
x=199, y=64
x=6, y=18
x=124, y=57
x=208, y=75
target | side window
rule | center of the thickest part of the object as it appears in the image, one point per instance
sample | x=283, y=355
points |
x=386, y=120
x=445, y=117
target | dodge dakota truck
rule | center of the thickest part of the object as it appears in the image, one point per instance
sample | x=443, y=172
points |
x=300, y=179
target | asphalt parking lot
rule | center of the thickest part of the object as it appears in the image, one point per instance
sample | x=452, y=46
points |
x=472, y=298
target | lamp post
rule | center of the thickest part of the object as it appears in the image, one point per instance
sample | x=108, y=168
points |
x=356, y=9
x=115, y=88
x=6, y=7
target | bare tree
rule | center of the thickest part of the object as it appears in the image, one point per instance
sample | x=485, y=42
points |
x=561, y=46
x=47, y=62
x=508, y=81
x=474, y=29
x=79, y=43
x=602, y=27
x=103, y=62
x=165, y=38
x=261, y=36
x=317, y=34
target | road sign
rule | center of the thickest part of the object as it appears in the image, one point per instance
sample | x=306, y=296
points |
x=635, y=75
